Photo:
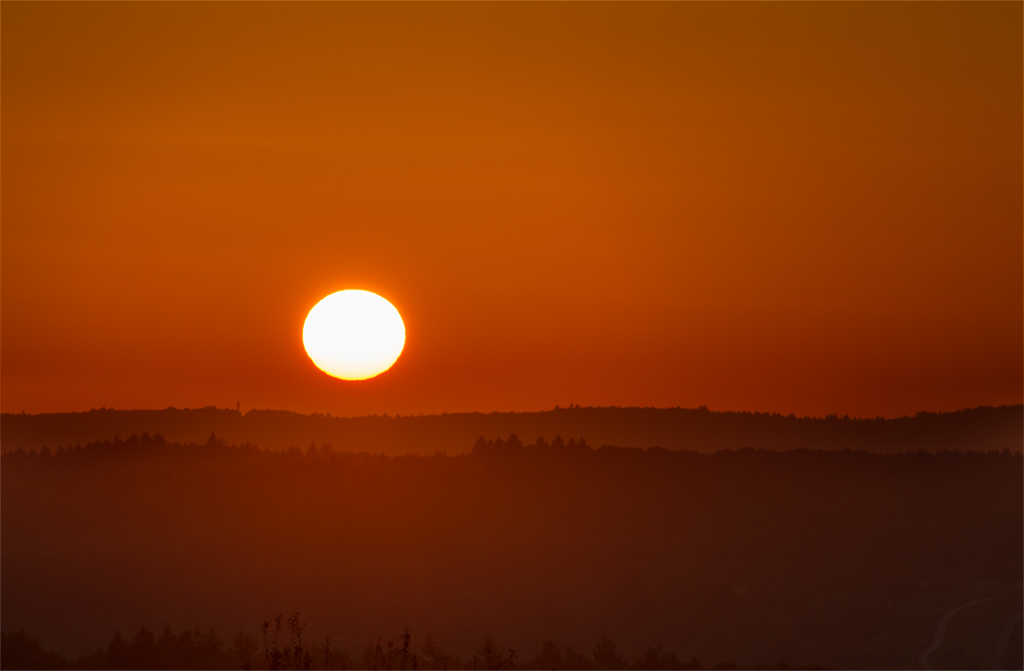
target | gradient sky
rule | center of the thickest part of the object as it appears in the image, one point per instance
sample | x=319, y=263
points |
x=803, y=208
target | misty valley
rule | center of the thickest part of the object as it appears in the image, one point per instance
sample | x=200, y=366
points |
x=528, y=554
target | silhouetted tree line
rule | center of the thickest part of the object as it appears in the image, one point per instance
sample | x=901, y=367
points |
x=699, y=429
x=513, y=446
x=136, y=449
x=202, y=649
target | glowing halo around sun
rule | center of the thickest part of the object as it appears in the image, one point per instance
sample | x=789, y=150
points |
x=353, y=334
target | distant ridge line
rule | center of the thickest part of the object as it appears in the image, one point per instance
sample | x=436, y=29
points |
x=557, y=408
x=983, y=428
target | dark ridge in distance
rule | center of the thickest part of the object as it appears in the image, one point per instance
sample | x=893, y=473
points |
x=983, y=429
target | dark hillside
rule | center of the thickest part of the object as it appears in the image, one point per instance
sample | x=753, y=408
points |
x=839, y=558
x=977, y=429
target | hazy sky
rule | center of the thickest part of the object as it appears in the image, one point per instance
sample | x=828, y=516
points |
x=791, y=207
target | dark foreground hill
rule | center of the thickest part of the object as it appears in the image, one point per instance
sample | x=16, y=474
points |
x=840, y=558
x=978, y=429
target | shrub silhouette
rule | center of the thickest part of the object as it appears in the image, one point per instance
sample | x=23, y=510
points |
x=295, y=655
x=605, y=654
x=199, y=649
x=489, y=656
x=437, y=657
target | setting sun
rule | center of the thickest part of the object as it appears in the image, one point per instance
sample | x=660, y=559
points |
x=353, y=334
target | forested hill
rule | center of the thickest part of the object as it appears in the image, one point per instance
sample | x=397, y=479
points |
x=977, y=429
x=845, y=559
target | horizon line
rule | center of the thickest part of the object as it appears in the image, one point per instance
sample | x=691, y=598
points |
x=556, y=408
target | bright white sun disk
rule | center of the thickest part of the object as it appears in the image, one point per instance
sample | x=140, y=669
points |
x=353, y=334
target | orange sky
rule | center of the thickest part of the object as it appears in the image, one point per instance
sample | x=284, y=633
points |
x=800, y=208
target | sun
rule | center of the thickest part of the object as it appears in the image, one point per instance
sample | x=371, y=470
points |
x=353, y=334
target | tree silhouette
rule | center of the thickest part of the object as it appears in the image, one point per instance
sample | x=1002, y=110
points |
x=605, y=654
